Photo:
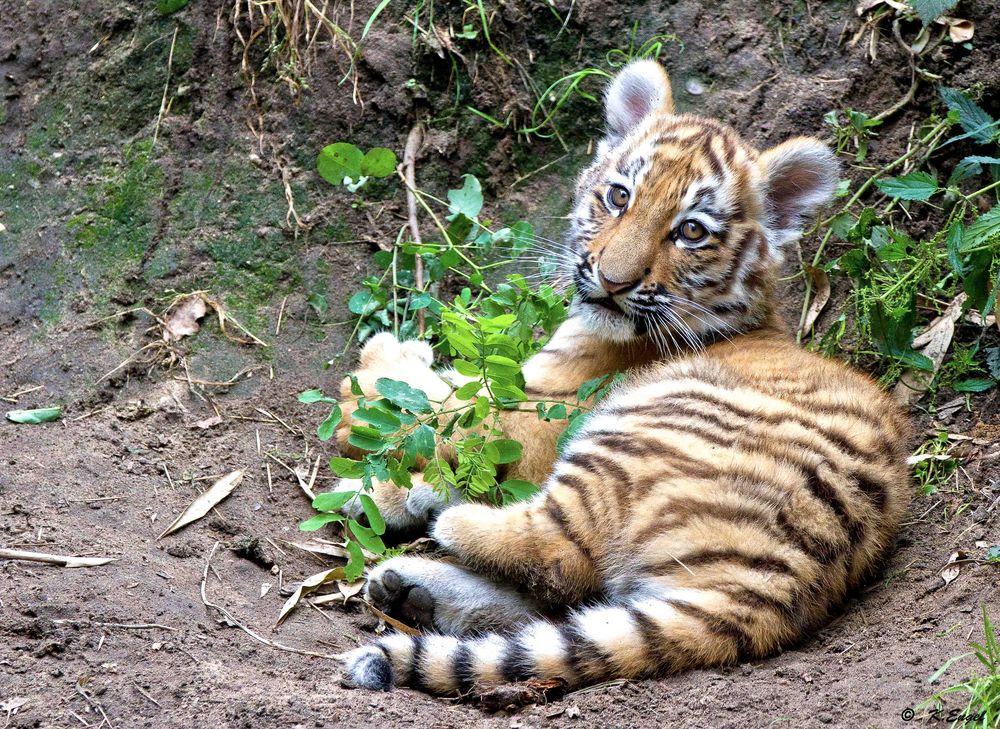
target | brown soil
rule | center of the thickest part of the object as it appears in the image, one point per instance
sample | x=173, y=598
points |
x=135, y=634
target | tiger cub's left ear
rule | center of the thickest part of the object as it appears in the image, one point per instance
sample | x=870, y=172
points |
x=799, y=176
x=640, y=89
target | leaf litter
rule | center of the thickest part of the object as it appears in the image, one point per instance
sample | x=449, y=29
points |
x=204, y=503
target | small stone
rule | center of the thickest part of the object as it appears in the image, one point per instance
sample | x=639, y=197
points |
x=694, y=87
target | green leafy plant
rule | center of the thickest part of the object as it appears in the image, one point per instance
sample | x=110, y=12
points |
x=343, y=163
x=901, y=280
x=982, y=709
x=487, y=330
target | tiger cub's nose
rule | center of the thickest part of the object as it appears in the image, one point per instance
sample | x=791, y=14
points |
x=616, y=287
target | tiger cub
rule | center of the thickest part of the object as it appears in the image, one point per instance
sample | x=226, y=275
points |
x=720, y=503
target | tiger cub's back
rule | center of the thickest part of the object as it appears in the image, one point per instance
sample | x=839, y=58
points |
x=759, y=471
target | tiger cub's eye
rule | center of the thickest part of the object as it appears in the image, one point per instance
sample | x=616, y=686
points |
x=692, y=231
x=618, y=196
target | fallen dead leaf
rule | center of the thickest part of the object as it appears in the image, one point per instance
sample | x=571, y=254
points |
x=953, y=569
x=821, y=282
x=182, y=320
x=208, y=422
x=350, y=589
x=265, y=587
x=933, y=342
x=12, y=705
x=314, y=546
x=310, y=584
x=204, y=503
x=960, y=30
x=56, y=559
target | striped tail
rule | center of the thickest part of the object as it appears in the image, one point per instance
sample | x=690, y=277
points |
x=638, y=638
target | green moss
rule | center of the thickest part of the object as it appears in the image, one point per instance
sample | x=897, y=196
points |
x=111, y=237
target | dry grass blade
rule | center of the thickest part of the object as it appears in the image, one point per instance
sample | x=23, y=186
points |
x=309, y=585
x=389, y=620
x=56, y=559
x=204, y=503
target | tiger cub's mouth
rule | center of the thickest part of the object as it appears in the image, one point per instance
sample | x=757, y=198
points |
x=607, y=302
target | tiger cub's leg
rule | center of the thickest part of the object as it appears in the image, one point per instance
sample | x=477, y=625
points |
x=446, y=598
x=546, y=545
x=402, y=509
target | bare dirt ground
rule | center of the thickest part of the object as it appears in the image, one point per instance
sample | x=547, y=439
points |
x=99, y=221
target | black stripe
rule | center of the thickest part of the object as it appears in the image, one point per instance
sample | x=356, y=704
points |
x=746, y=595
x=516, y=664
x=416, y=675
x=463, y=668
x=726, y=556
x=661, y=650
x=719, y=626
x=679, y=511
x=578, y=486
x=558, y=516
x=834, y=437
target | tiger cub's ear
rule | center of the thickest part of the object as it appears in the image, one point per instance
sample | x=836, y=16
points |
x=799, y=176
x=639, y=89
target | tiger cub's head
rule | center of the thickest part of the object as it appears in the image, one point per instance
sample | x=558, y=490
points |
x=679, y=225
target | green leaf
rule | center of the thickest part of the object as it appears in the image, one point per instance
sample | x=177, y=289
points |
x=318, y=303
x=970, y=167
x=332, y=500
x=326, y=429
x=974, y=384
x=466, y=368
x=356, y=386
x=420, y=442
x=523, y=237
x=504, y=450
x=374, y=517
x=378, y=162
x=557, y=412
x=993, y=361
x=371, y=21
x=337, y=161
x=982, y=229
x=368, y=538
x=347, y=467
x=956, y=233
x=914, y=186
x=576, y=421
x=169, y=7
x=379, y=417
x=355, y=566
x=515, y=490
x=363, y=303
x=589, y=387
x=319, y=521
x=931, y=10
x=311, y=396
x=402, y=395
x=893, y=333
x=974, y=120
x=366, y=438
x=468, y=391
x=36, y=416
x=468, y=200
